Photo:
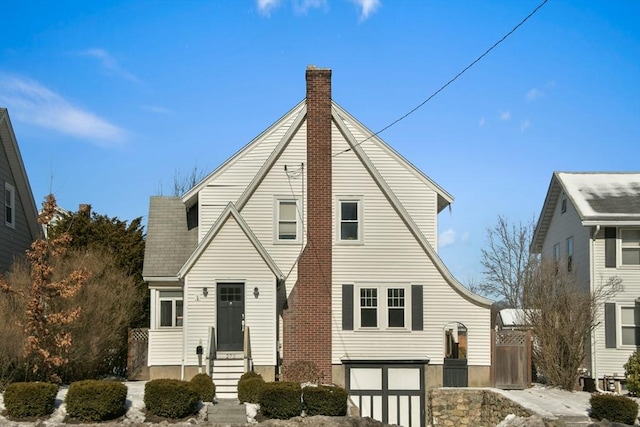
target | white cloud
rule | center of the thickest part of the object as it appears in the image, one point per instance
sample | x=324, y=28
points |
x=505, y=116
x=482, y=121
x=524, y=125
x=447, y=238
x=303, y=6
x=367, y=7
x=533, y=94
x=266, y=6
x=109, y=63
x=31, y=102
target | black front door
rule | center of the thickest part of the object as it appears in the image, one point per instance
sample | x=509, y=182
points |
x=230, y=316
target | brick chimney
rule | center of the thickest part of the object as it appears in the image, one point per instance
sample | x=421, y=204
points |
x=307, y=320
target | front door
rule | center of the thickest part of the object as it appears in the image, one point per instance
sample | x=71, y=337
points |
x=230, y=316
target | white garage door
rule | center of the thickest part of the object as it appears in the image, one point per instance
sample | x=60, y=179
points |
x=391, y=393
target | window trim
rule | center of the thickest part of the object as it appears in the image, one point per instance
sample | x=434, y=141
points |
x=10, y=203
x=620, y=325
x=570, y=250
x=382, y=314
x=619, y=247
x=174, y=300
x=360, y=220
x=276, y=216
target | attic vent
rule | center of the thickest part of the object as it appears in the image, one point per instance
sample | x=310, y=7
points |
x=563, y=206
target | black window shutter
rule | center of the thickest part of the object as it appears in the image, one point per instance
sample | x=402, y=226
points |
x=347, y=307
x=610, y=247
x=610, y=325
x=416, y=308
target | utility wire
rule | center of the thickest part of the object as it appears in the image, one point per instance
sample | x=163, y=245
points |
x=486, y=52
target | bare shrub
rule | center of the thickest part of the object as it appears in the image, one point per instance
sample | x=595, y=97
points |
x=302, y=371
x=562, y=318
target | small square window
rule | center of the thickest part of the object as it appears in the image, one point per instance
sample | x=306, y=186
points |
x=630, y=246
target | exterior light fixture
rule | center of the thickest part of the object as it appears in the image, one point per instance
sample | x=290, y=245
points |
x=205, y=291
x=256, y=292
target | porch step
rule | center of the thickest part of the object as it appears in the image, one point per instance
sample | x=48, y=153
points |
x=575, y=420
x=225, y=374
x=227, y=411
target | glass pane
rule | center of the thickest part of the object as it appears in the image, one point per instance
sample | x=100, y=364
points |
x=368, y=317
x=349, y=211
x=630, y=316
x=287, y=211
x=166, y=311
x=349, y=231
x=178, y=313
x=630, y=238
x=631, y=256
x=287, y=231
x=396, y=318
x=630, y=336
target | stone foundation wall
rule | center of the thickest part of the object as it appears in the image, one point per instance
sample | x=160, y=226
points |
x=469, y=407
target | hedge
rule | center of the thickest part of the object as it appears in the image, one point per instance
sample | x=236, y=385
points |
x=170, y=398
x=94, y=400
x=30, y=399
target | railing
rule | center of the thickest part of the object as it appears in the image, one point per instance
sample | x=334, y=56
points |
x=211, y=354
x=246, y=346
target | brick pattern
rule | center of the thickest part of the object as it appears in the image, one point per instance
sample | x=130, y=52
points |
x=307, y=320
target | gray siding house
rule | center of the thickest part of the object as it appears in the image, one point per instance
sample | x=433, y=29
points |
x=19, y=220
x=590, y=224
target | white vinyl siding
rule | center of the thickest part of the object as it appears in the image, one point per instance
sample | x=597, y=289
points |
x=165, y=344
x=390, y=254
x=232, y=258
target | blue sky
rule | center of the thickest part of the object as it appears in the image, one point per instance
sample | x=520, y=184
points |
x=109, y=99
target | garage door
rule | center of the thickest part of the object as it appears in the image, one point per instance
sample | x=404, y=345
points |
x=391, y=393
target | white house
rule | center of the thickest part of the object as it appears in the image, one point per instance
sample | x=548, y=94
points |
x=315, y=242
x=591, y=222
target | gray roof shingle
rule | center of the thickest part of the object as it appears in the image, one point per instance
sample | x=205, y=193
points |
x=170, y=242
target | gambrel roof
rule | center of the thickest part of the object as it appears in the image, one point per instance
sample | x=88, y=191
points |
x=599, y=198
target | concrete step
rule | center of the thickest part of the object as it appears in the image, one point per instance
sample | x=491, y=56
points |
x=575, y=420
x=227, y=411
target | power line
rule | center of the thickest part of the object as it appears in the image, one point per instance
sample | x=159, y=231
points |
x=486, y=52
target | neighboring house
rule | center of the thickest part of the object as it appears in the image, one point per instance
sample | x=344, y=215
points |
x=315, y=242
x=590, y=223
x=19, y=224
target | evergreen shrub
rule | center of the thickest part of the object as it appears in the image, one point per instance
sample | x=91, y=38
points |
x=250, y=390
x=170, y=398
x=281, y=400
x=94, y=400
x=204, y=386
x=632, y=373
x=31, y=399
x=618, y=409
x=325, y=400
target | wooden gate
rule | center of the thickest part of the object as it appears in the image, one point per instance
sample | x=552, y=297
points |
x=511, y=361
x=137, y=368
x=455, y=373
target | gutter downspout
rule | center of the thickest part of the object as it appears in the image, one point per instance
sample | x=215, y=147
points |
x=184, y=329
x=594, y=369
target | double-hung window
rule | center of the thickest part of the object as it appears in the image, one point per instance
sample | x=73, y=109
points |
x=9, y=205
x=383, y=307
x=630, y=325
x=171, y=311
x=350, y=221
x=287, y=228
x=630, y=246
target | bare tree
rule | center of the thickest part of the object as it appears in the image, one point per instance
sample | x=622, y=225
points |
x=506, y=261
x=562, y=318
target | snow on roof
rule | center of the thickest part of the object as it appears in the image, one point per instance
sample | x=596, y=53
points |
x=512, y=317
x=603, y=195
